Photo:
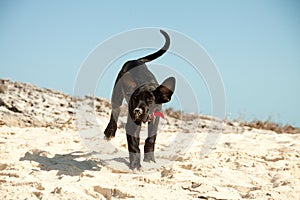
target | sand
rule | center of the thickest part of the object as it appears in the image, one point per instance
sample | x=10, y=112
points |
x=70, y=159
x=46, y=163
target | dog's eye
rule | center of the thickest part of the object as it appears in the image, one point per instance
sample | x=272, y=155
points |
x=149, y=100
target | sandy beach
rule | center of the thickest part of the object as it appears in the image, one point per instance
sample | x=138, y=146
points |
x=52, y=147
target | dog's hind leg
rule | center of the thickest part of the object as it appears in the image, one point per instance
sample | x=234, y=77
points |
x=116, y=102
x=133, y=141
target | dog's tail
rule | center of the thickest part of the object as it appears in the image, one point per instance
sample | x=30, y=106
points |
x=159, y=52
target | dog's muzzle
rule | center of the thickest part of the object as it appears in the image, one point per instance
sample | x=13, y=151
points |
x=137, y=113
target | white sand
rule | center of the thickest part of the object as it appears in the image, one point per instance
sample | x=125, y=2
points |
x=48, y=163
x=46, y=153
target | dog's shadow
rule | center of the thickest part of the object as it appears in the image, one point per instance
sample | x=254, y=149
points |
x=108, y=161
x=119, y=160
x=65, y=164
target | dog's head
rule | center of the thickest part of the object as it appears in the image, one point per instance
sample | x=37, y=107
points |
x=144, y=99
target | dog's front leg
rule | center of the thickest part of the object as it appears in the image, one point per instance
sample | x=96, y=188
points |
x=133, y=141
x=150, y=141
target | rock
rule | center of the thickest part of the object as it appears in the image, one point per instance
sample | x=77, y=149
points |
x=3, y=166
x=167, y=172
x=56, y=190
x=2, y=86
x=109, y=193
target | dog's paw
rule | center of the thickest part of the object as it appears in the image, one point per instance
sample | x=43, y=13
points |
x=149, y=157
x=107, y=138
x=109, y=135
x=137, y=171
x=135, y=161
x=135, y=167
x=110, y=131
x=149, y=160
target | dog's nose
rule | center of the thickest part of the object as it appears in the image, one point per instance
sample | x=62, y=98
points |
x=138, y=112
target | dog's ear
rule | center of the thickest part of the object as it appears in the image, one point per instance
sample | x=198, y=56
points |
x=164, y=92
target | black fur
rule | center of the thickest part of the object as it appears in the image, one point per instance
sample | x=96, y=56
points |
x=143, y=94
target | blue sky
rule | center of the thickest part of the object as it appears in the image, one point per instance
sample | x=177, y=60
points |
x=254, y=44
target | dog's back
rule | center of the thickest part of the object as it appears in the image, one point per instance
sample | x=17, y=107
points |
x=135, y=73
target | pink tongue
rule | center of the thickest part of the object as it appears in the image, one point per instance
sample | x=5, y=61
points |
x=158, y=114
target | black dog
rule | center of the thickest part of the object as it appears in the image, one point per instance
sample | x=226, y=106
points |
x=144, y=96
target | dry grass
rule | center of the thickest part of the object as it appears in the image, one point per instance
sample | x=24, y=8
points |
x=177, y=114
x=267, y=125
x=258, y=124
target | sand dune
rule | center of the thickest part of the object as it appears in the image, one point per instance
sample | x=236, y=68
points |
x=52, y=147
